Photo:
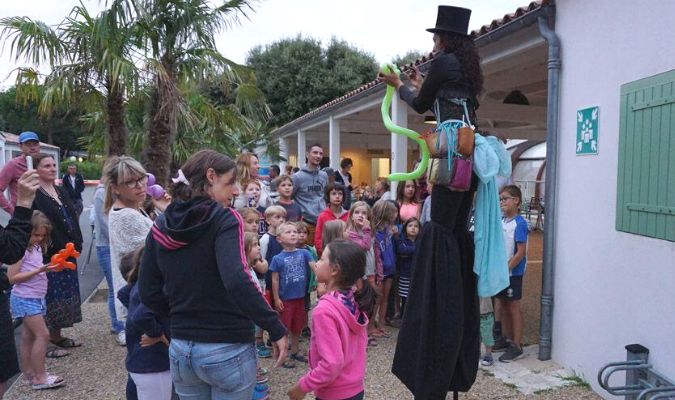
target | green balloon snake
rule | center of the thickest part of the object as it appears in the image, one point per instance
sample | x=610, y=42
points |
x=399, y=130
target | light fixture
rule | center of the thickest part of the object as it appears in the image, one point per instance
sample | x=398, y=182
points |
x=516, y=97
x=430, y=119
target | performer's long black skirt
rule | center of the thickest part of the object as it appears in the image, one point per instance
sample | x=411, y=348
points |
x=439, y=341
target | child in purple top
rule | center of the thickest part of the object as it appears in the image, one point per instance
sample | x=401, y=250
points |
x=384, y=219
x=27, y=301
x=405, y=249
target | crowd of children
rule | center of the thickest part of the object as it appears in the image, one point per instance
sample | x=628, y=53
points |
x=359, y=264
x=286, y=264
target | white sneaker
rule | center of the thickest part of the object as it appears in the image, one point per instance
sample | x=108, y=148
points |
x=121, y=338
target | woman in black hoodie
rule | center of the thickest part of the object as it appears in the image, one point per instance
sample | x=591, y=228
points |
x=194, y=270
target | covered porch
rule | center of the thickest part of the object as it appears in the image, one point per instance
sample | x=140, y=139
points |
x=514, y=62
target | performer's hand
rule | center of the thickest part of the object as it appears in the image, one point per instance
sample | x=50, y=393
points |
x=390, y=79
x=279, y=305
x=415, y=78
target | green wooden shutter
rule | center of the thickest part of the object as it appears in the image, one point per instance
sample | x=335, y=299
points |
x=646, y=171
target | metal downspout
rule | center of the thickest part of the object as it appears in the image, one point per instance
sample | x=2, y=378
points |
x=548, y=266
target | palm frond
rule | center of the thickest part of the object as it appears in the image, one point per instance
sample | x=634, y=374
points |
x=27, y=84
x=251, y=100
x=34, y=41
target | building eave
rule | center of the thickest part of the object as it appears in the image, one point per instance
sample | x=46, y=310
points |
x=520, y=19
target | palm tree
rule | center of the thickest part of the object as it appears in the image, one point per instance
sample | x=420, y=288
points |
x=91, y=65
x=179, y=36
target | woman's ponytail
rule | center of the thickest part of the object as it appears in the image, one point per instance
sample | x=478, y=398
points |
x=351, y=259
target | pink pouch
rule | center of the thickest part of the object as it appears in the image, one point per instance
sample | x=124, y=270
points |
x=461, y=174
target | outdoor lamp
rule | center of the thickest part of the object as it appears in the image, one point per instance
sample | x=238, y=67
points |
x=430, y=119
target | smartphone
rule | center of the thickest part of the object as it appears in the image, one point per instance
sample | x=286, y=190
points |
x=29, y=162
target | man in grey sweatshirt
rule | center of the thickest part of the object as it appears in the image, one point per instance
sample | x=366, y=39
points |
x=308, y=186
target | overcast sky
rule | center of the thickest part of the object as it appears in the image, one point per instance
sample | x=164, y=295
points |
x=383, y=28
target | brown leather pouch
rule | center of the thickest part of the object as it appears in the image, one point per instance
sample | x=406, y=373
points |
x=436, y=150
x=465, y=141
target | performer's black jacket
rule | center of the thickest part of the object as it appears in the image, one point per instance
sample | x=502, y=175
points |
x=439, y=341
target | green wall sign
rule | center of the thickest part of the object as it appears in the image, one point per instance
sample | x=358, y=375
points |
x=587, y=131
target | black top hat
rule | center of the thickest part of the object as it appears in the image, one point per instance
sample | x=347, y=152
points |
x=452, y=19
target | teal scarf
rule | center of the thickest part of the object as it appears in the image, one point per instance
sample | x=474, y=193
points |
x=490, y=158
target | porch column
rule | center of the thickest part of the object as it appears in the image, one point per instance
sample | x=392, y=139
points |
x=399, y=144
x=2, y=152
x=334, y=142
x=302, y=148
x=283, y=152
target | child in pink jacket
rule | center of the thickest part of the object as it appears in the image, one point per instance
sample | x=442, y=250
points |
x=337, y=352
x=360, y=232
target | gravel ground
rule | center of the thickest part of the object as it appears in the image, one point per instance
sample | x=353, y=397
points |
x=96, y=371
x=93, y=371
x=381, y=384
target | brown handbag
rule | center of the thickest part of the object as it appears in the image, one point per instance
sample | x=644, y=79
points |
x=465, y=141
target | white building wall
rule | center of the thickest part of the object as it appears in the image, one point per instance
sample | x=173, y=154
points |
x=611, y=288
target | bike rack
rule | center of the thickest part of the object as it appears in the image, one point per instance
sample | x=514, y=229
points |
x=662, y=392
x=642, y=382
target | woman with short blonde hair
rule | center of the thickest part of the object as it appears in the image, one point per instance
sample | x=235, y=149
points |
x=128, y=224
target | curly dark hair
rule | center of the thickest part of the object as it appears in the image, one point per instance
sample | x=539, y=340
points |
x=464, y=48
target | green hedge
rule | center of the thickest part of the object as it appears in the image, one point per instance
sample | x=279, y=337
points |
x=90, y=169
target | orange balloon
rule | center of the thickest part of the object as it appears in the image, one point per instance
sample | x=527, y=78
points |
x=60, y=259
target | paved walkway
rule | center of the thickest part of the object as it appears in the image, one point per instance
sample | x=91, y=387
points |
x=530, y=375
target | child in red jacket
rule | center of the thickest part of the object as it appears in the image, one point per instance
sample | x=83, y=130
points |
x=333, y=195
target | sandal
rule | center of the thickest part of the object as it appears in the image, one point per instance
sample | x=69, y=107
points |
x=288, y=364
x=66, y=343
x=53, y=381
x=55, y=352
x=372, y=342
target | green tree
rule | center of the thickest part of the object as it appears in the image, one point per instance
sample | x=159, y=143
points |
x=408, y=57
x=298, y=75
x=90, y=65
x=178, y=38
x=61, y=128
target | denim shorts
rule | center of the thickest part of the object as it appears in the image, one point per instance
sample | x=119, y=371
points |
x=27, y=307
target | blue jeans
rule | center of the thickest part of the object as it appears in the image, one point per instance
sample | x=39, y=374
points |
x=213, y=371
x=103, y=256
